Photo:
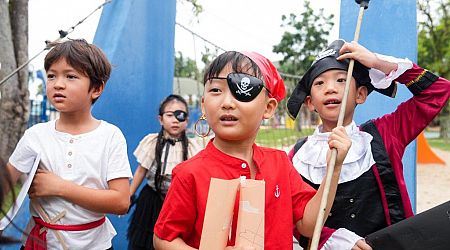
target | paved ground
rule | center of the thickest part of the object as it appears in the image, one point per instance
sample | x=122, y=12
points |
x=433, y=182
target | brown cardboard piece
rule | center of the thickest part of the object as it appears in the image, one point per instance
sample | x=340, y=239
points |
x=219, y=214
x=250, y=225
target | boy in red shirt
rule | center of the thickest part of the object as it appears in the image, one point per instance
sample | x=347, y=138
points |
x=242, y=89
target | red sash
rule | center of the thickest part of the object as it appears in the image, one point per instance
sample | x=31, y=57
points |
x=38, y=241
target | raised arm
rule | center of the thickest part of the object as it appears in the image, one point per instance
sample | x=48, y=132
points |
x=369, y=59
x=431, y=93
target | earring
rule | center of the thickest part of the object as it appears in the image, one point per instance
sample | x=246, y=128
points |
x=201, y=133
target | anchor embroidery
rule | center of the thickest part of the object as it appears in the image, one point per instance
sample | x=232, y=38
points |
x=277, y=191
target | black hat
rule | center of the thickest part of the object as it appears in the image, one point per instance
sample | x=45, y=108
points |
x=326, y=60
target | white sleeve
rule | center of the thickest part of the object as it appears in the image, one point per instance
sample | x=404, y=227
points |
x=118, y=164
x=23, y=156
x=193, y=148
x=341, y=239
x=382, y=81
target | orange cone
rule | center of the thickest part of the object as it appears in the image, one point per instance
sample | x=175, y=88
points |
x=424, y=153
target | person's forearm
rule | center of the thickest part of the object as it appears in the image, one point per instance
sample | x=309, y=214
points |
x=14, y=174
x=312, y=209
x=385, y=66
x=115, y=200
x=137, y=179
x=176, y=244
x=11, y=177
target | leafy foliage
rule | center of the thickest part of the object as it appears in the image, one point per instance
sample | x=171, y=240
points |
x=196, y=7
x=185, y=67
x=434, y=47
x=306, y=36
x=434, y=37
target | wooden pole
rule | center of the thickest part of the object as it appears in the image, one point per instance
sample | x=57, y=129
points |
x=323, y=203
x=45, y=217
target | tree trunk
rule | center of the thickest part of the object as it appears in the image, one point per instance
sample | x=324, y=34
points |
x=14, y=102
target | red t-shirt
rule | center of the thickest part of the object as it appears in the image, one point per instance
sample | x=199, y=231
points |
x=183, y=211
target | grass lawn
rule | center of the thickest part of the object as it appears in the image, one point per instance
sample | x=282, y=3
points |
x=439, y=143
x=280, y=137
x=9, y=200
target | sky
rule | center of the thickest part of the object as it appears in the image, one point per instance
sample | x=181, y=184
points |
x=230, y=24
x=47, y=17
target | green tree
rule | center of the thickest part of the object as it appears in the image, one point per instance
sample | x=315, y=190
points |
x=208, y=56
x=307, y=36
x=185, y=67
x=196, y=7
x=434, y=47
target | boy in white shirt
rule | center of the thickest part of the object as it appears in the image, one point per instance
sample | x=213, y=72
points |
x=86, y=164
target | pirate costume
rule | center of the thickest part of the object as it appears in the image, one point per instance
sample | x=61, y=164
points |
x=149, y=201
x=371, y=193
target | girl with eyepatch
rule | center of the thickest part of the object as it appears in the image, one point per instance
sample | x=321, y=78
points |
x=157, y=154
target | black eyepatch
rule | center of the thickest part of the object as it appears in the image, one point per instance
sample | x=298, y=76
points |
x=244, y=87
x=180, y=115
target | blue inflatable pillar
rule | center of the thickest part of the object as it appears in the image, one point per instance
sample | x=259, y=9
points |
x=138, y=38
x=389, y=28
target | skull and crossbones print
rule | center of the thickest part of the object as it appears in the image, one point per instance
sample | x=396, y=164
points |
x=243, y=86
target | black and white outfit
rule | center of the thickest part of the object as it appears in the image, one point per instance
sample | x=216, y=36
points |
x=371, y=193
x=149, y=201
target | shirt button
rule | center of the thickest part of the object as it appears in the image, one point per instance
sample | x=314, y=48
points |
x=352, y=216
x=351, y=200
x=243, y=165
x=71, y=141
x=69, y=165
x=70, y=153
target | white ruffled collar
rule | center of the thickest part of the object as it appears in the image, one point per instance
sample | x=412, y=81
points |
x=310, y=159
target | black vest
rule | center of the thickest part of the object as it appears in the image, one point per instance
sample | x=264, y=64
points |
x=357, y=206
